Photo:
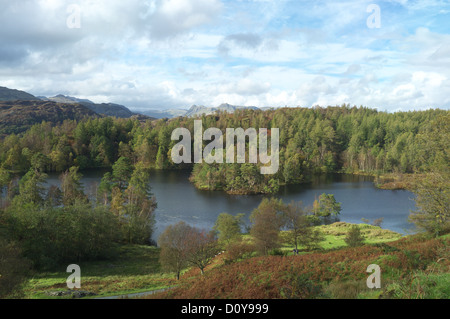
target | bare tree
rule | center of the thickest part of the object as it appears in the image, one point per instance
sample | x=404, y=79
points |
x=202, y=248
x=174, y=247
x=183, y=246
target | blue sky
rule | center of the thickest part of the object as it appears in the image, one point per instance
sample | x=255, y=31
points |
x=160, y=54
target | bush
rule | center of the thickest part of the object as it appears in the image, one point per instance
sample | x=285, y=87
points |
x=276, y=252
x=237, y=250
x=347, y=289
x=301, y=287
x=420, y=286
x=51, y=236
x=354, y=237
x=13, y=269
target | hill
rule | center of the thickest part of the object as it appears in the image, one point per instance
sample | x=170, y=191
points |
x=196, y=110
x=106, y=109
x=411, y=267
x=18, y=116
x=14, y=95
x=160, y=114
x=333, y=272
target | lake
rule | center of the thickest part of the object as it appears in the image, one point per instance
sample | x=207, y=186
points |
x=178, y=199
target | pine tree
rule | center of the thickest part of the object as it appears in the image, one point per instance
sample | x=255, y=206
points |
x=354, y=237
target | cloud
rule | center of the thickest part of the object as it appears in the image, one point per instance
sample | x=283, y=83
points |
x=174, y=53
x=172, y=17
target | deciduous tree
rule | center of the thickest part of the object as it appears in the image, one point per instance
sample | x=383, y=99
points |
x=300, y=230
x=266, y=222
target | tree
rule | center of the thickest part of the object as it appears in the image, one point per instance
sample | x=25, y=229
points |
x=40, y=162
x=432, y=196
x=140, y=206
x=173, y=243
x=300, y=230
x=54, y=196
x=266, y=222
x=104, y=189
x=376, y=222
x=121, y=172
x=202, y=247
x=139, y=188
x=432, y=192
x=72, y=190
x=13, y=269
x=326, y=207
x=50, y=236
x=31, y=187
x=354, y=237
x=4, y=181
x=228, y=227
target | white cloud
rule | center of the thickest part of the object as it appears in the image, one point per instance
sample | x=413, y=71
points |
x=174, y=53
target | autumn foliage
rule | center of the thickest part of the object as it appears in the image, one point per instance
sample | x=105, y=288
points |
x=270, y=277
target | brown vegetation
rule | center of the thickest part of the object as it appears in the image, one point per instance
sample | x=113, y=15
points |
x=272, y=277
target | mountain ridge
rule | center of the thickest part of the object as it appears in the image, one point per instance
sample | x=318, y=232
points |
x=121, y=111
x=107, y=109
x=196, y=110
x=7, y=94
x=18, y=116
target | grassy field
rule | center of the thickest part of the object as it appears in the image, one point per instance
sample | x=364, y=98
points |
x=137, y=268
x=336, y=232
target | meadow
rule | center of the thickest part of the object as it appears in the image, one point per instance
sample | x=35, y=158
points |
x=413, y=266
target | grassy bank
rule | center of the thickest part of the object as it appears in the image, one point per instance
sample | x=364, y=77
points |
x=136, y=269
x=412, y=266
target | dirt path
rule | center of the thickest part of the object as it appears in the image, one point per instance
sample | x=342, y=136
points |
x=134, y=295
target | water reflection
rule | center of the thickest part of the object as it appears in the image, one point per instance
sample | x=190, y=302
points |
x=179, y=200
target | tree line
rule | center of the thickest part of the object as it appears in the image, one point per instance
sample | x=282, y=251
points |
x=312, y=140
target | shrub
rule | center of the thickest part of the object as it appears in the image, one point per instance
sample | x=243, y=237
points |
x=238, y=250
x=354, y=237
x=346, y=290
x=51, y=236
x=13, y=269
x=301, y=287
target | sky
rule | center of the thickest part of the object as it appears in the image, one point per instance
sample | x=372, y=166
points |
x=391, y=55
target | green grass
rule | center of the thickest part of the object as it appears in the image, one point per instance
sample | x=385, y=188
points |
x=335, y=236
x=137, y=269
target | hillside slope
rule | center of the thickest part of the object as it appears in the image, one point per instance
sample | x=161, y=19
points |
x=330, y=274
x=14, y=95
x=18, y=116
x=107, y=109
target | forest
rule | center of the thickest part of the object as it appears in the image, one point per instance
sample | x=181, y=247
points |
x=312, y=141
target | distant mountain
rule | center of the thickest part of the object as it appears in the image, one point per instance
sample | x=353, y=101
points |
x=196, y=110
x=18, y=116
x=107, y=109
x=65, y=99
x=160, y=114
x=15, y=95
x=117, y=110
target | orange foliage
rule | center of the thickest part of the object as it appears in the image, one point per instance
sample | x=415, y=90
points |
x=263, y=277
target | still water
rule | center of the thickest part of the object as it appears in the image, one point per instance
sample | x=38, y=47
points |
x=179, y=200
